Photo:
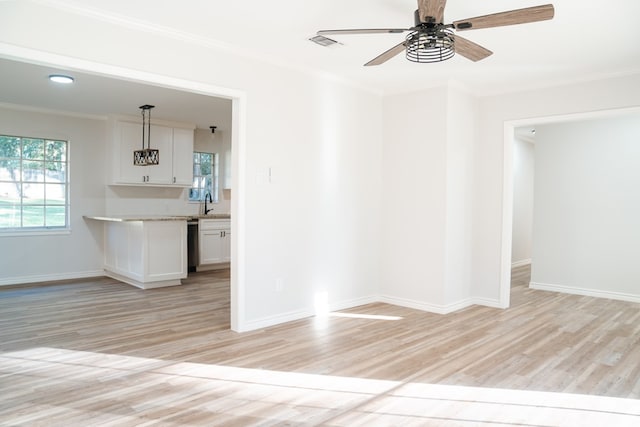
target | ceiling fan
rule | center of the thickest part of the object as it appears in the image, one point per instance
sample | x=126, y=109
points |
x=430, y=40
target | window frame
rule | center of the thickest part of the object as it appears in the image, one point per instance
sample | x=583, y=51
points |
x=215, y=178
x=64, y=165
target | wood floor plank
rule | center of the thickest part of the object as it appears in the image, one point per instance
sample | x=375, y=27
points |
x=99, y=352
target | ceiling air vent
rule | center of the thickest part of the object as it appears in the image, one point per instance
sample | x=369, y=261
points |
x=323, y=41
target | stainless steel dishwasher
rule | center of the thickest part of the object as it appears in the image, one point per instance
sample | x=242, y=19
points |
x=192, y=245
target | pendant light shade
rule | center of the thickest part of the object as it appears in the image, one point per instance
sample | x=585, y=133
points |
x=146, y=156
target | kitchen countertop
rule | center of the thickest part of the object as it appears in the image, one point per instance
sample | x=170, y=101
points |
x=123, y=218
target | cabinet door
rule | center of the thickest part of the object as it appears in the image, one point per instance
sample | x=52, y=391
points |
x=212, y=247
x=128, y=139
x=226, y=246
x=161, y=139
x=182, y=156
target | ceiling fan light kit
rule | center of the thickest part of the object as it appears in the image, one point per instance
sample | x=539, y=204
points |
x=435, y=46
x=430, y=40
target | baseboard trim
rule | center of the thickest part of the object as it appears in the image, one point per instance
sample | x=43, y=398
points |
x=143, y=285
x=521, y=263
x=431, y=308
x=486, y=302
x=268, y=321
x=43, y=278
x=586, y=292
x=346, y=304
x=291, y=316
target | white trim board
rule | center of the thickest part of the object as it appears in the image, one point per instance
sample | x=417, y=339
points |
x=45, y=278
x=439, y=309
x=586, y=292
x=264, y=322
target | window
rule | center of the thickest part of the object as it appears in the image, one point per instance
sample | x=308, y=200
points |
x=205, y=177
x=34, y=183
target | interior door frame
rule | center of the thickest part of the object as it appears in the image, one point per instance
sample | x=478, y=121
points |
x=238, y=145
x=507, y=182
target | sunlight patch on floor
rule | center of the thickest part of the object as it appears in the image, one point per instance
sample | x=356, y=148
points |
x=75, y=387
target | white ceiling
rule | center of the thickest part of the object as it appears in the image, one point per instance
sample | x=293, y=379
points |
x=587, y=39
x=28, y=85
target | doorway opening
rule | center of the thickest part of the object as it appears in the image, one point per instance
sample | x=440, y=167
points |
x=238, y=123
x=508, y=184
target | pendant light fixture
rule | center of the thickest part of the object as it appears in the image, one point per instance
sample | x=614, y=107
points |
x=146, y=156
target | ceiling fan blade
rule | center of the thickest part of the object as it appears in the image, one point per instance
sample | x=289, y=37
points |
x=381, y=59
x=431, y=8
x=512, y=17
x=364, y=31
x=470, y=50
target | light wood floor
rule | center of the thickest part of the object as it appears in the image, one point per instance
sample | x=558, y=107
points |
x=100, y=352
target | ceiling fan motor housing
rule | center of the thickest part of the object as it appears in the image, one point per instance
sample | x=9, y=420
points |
x=418, y=22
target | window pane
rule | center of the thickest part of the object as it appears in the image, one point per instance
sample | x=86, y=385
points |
x=9, y=147
x=33, y=194
x=55, y=194
x=10, y=191
x=9, y=212
x=56, y=151
x=32, y=171
x=33, y=216
x=55, y=216
x=33, y=148
x=9, y=171
x=55, y=172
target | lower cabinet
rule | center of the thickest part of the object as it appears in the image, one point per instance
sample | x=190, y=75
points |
x=146, y=254
x=214, y=242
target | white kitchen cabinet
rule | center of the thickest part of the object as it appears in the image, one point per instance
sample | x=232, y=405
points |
x=175, y=145
x=182, y=157
x=145, y=253
x=214, y=242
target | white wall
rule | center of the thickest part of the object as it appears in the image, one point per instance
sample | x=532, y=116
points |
x=77, y=254
x=523, y=175
x=461, y=142
x=489, y=209
x=310, y=227
x=587, y=207
x=427, y=185
x=414, y=190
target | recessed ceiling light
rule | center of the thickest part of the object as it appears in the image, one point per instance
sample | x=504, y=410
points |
x=61, y=78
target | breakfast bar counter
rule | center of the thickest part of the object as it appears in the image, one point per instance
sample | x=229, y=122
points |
x=145, y=251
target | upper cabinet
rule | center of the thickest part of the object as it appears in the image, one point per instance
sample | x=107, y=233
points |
x=182, y=157
x=174, y=142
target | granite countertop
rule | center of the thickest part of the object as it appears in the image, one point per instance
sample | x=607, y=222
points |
x=123, y=218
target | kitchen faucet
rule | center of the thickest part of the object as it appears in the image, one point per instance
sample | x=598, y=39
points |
x=207, y=196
